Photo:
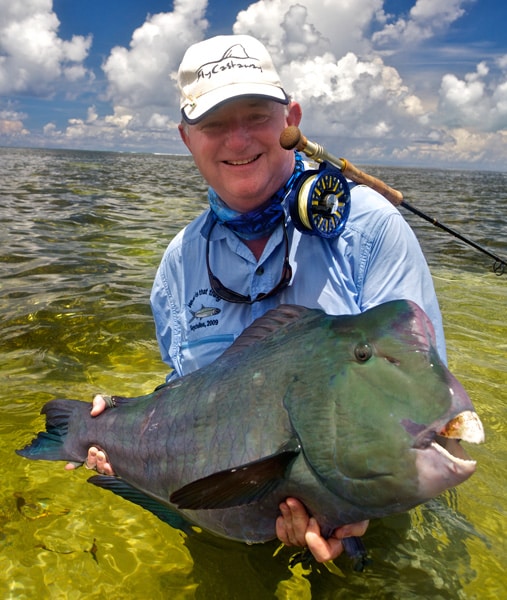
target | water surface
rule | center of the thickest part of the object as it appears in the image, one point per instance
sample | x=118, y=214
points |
x=82, y=234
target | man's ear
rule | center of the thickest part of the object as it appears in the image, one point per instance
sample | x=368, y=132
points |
x=295, y=114
x=184, y=135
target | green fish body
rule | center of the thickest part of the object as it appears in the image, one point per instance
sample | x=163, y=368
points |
x=354, y=415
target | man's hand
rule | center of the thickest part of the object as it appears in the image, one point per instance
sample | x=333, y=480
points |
x=296, y=528
x=96, y=457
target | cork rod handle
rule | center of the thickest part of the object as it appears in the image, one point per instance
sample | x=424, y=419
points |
x=292, y=138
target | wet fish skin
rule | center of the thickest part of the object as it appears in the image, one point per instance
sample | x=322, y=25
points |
x=340, y=412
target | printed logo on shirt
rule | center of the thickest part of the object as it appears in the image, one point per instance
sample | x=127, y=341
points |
x=205, y=316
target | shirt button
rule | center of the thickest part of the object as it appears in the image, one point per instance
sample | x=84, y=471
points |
x=259, y=271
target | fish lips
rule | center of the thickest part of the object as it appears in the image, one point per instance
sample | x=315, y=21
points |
x=441, y=460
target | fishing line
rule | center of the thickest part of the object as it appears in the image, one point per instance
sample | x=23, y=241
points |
x=307, y=210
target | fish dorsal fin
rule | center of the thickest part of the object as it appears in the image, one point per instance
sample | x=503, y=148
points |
x=270, y=323
x=237, y=486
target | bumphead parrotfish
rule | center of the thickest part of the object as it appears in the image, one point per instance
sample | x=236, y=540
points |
x=356, y=416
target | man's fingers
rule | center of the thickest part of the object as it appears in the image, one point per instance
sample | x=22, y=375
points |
x=351, y=530
x=329, y=549
x=291, y=526
x=70, y=466
x=322, y=549
x=103, y=465
x=98, y=405
x=91, y=459
x=97, y=460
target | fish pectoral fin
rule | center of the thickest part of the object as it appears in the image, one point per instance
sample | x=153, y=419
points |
x=129, y=492
x=238, y=486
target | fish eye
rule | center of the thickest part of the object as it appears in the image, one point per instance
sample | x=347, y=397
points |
x=363, y=352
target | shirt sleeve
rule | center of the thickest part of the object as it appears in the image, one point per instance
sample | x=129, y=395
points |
x=161, y=309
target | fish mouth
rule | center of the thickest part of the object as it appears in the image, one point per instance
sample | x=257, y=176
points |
x=467, y=427
x=441, y=459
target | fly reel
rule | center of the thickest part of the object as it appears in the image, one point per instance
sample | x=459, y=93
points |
x=319, y=202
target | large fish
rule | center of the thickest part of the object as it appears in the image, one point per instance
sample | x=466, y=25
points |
x=354, y=415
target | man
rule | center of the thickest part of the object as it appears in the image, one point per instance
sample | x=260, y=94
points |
x=243, y=256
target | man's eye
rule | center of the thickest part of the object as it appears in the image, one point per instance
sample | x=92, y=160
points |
x=211, y=127
x=259, y=119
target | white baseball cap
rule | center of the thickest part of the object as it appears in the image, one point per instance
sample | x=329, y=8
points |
x=222, y=68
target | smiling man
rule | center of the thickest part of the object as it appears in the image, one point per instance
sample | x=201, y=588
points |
x=243, y=255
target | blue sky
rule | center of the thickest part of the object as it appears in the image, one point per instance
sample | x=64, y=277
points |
x=405, y=82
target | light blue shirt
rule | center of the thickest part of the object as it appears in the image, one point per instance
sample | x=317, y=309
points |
x=377, y=258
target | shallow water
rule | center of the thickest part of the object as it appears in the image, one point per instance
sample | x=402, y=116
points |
x=82, y=234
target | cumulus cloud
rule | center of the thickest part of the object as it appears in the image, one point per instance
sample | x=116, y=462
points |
x=139, y=76
x=477, y=101
x=352, y=98
x=141, y=83
x=11, y=124
x=425, y=19
x=310, y=43
x=32, y=56
x=301, y=29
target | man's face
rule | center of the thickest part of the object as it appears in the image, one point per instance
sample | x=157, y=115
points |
x=237, y=150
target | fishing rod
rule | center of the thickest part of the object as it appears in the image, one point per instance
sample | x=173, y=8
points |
x=498, y=266
x=292, y=138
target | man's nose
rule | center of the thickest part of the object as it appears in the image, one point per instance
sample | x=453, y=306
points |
x=237, y=136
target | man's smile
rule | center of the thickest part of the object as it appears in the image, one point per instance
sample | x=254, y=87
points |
x=246, y=161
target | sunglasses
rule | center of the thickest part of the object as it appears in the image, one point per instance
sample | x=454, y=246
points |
x=229, y=295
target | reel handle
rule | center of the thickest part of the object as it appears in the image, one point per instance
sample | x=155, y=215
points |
x=292, y=138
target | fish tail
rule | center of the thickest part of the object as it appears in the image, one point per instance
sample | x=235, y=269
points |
x=49, y=444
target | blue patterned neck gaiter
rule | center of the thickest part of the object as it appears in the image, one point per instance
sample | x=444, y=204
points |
x=261, y=221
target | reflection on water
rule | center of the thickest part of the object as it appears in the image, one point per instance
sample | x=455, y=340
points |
x=82, y=234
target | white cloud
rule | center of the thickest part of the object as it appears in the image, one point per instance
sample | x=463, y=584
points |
x=303, y=37
x=140, y=75
x=426, y=18
x=32, y=56
x=478, y=101
x=502, y=62
x=11, y=124
x=310, y=26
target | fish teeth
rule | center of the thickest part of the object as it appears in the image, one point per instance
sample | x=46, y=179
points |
x=466, y=426
x=466, y=462
x=458, y=460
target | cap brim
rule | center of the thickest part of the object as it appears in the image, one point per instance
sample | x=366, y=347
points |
x=208, y=102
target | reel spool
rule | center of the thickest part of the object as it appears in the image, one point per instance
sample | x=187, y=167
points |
x=319, y=203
